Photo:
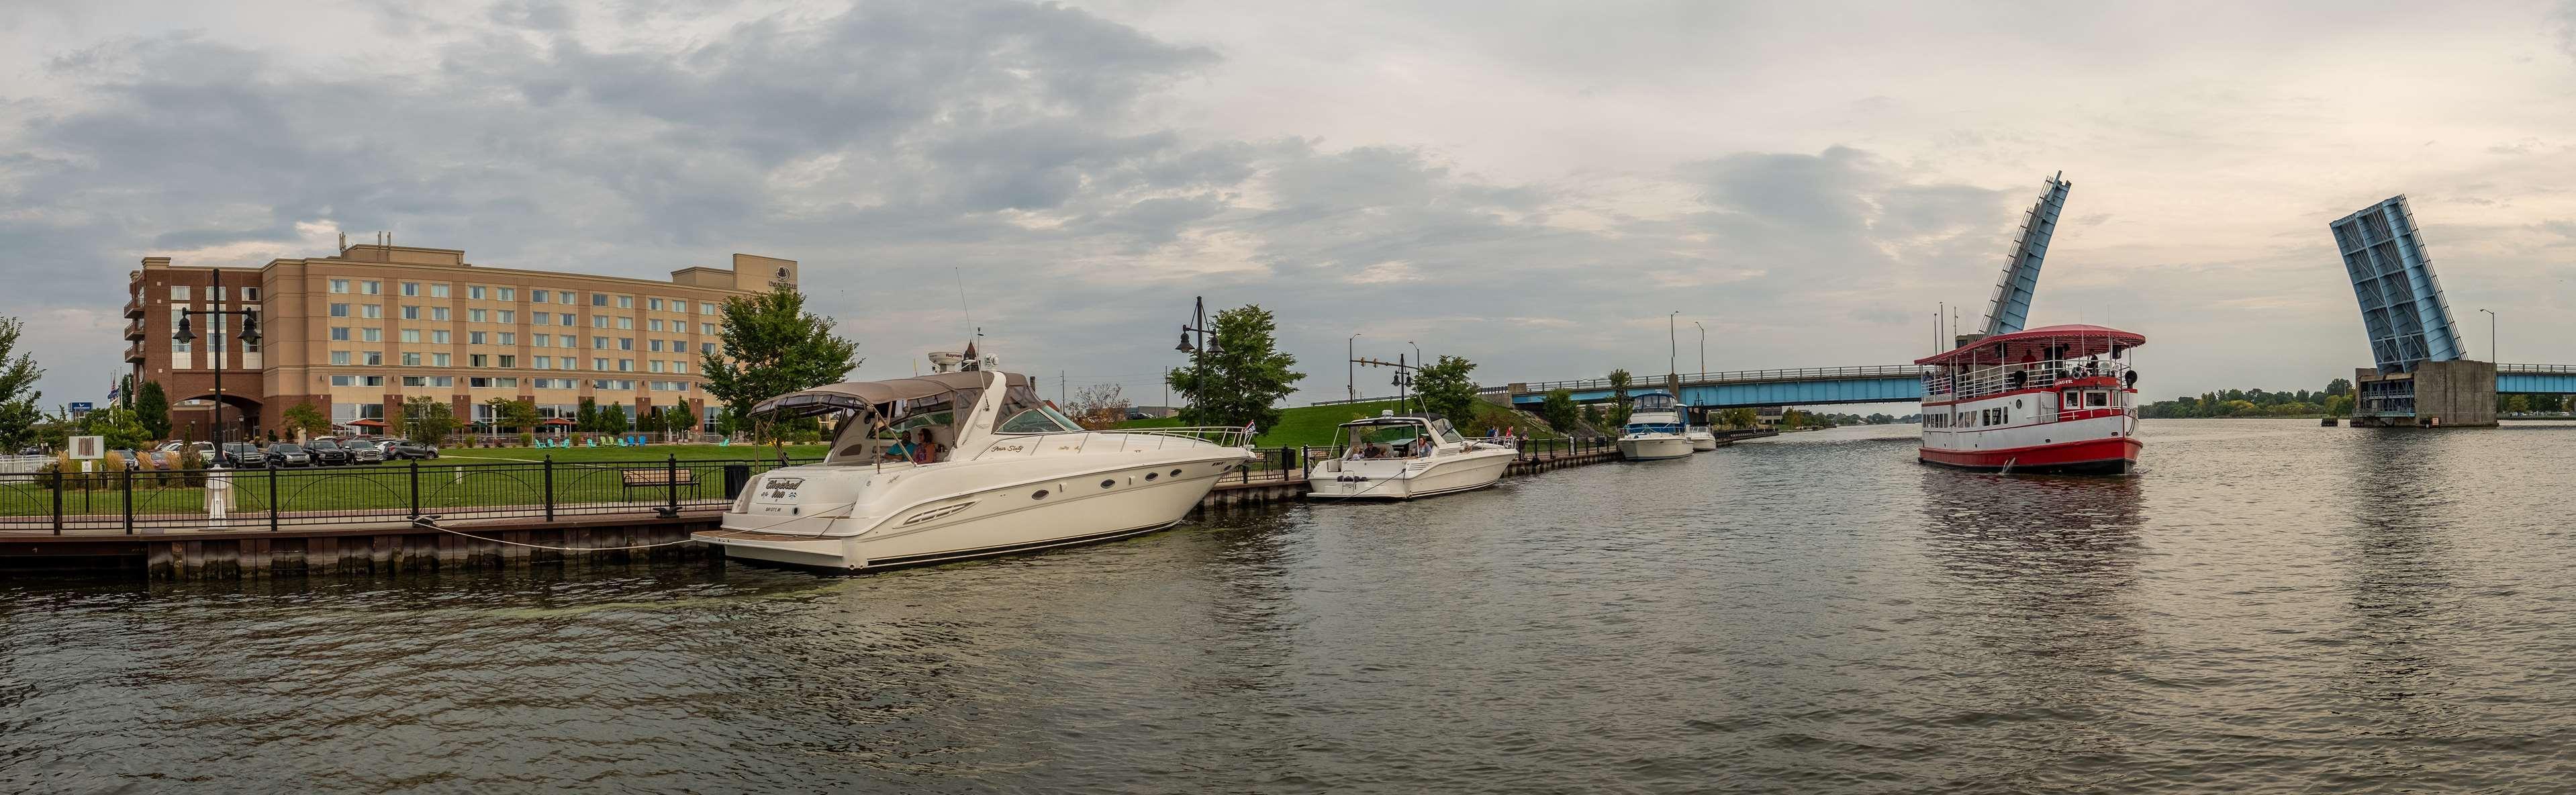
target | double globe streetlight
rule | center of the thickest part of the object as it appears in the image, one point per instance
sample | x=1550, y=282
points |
x=218, y=358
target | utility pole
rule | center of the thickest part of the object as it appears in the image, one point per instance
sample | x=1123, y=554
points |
x=1350, y=369
x=1703, y=348
x=1060, y=399
x=1672, y=338
x=2491, y=336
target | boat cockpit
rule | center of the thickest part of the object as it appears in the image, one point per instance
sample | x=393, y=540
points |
x=1397, y=436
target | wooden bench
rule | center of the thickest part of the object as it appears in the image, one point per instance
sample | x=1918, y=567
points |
x=659, y=477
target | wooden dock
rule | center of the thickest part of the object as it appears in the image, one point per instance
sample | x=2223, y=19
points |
x=393, y=544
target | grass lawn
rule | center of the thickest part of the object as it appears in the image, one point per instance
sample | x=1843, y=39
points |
x=1313, y=425
x=657, y=452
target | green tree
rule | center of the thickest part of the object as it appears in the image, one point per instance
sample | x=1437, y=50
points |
x=1617, y=413
x=1242, y=380
x=2339, y=386
x=1559, y=411
x=18, y=393
x=2550, y=403
x=304, y=417
x=679, y=418
x=152, y=409
x=612, y=419
x=1446, y=390
x=428, y=420
x=586, y=418
x=2518, y=404
x=772, y=346
x=1740, y=418
x=1592, y=415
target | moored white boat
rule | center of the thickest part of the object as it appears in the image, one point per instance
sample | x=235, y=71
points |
x=1654, y=429
x=2055, y=399
x=1405, y=456
x=1006, y=473
x=1701, y=438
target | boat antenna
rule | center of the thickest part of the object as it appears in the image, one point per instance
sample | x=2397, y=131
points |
x=962, y=307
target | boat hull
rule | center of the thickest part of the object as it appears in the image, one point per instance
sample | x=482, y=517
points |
x=1654, y=448
x=2112, y=456
x=1703, y=442
x=1078, y=508
x=1447, y=475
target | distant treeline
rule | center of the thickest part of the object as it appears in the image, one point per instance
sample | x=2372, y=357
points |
x=2335, y=401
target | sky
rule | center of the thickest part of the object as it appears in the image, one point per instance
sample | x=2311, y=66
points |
x=1533, y=186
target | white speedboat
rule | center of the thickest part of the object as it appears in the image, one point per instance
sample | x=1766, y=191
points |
x=1701, y=438
x=1654, y=429
x=1003, y=473
x=1403, y=456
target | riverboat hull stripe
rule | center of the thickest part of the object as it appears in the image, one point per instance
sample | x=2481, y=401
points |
x=2114, y=455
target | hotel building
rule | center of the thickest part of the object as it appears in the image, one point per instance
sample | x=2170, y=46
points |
x=356, y=333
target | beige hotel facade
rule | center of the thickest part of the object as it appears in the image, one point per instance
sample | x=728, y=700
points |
x=358, y=332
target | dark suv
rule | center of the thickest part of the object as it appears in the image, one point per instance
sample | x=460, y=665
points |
x=328, y=452
x=408, y=449
x=288, y=454
x=242, y=455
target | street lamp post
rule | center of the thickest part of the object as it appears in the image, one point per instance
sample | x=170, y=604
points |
x=215, y=345
x=1351, y=369
x=2491, y=336
x=1673, y=339
x=1703, y=349
x=1204, y=344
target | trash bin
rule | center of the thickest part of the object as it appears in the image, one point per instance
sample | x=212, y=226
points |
x=737, y=476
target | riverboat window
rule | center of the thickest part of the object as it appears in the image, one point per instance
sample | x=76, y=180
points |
x=2096, y=397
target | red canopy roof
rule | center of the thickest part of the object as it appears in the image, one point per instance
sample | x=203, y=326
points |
x=2067, y=342
x=555, y=421
x=367, y=423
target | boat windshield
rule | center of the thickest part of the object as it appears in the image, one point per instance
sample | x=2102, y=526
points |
x=920, y=431
x=1023, y=412
x=1652, y=401
x=1385, y=440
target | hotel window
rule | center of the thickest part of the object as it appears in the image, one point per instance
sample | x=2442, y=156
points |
x=680, y=366
x=679, y=305
x=438, y=291
x=250, y=293
x=479, y=382
x=442, y=380
x=509, y=361
x=371, y=311
x=705, y=308
x=626, y=323
x=707, y=329
x=411, y=360
x=656, y=347
x=411, y=289
x=375, y=358
x=626, y=343
x=654, y=304
x=563, y=296
x=599, y=364
x=598, y=321
x=340, y=333
x=626, y=302
x=415, y=380
x=707, y=348
x=411, y=335
x=507, y=293
x=599, y=343
x=440, y=360
x=410, y=312
x=438, y=336
x=339, y=310
x=653, y=325
x=542, y=363
x=178, y=292
x=539, y=296
x=542, y=340
x=477, y=316
x=371, y=288
x=371, y=334
x=473, y=338
x=509, y=338
x=654, y=365
x=564, y=319
x=438, y=313
x=344, y=380
x=478, y=360
x=340, y=286
x=542, y=318
x=598, y=299
x=626, y=365
x=678, y=346
x=474, y=292
x=340, y=358
x=509, y=316
x=565, y=341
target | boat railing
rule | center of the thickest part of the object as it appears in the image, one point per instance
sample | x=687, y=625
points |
x=1972, y=383
x=1124, y=440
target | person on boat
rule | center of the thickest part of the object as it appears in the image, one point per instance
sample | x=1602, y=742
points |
x=1422, y=447
x=928, y=450
x=901, y=450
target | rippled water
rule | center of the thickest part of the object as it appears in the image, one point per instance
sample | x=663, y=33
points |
x=2269, y=606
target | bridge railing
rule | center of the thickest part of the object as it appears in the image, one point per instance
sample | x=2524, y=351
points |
x=1645, y=382
x=2536, y=369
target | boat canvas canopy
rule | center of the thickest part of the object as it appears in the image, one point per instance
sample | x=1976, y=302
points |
x=866, y=397
x=2046, y=343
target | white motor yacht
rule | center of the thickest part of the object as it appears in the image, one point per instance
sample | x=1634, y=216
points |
x=1654, y=429
x=1002, y=472
x=1403, y=456
x=1701, y=438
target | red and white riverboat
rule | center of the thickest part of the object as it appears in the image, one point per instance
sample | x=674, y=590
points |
x=2055, y=399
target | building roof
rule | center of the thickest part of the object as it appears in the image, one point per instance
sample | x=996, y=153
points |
x=2070, y=340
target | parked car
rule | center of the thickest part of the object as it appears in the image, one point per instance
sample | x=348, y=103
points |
x=242, y=455
x=132, y=459
x=288, y=454
x=366, y=452
x=328, y=452
x=407, y=449
x=168, y=447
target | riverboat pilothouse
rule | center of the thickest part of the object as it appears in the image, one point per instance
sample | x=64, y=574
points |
x=2057, y=399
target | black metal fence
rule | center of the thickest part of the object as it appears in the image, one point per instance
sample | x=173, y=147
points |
x=268, y=499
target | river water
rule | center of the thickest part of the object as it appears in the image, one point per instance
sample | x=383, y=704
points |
x=2269, y=606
